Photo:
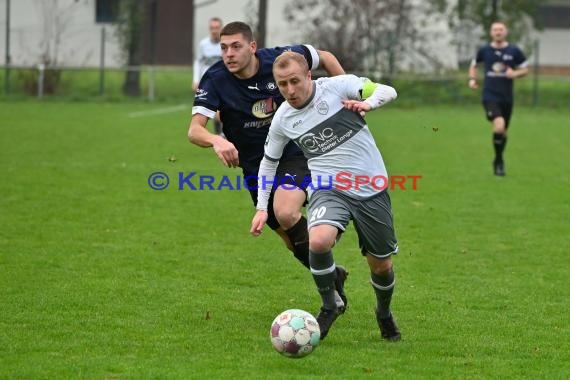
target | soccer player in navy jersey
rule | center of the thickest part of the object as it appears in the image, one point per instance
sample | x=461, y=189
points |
x=241, y=87
x=503, y=62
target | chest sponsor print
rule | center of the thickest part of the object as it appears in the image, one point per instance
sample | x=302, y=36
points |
x=324, y=140
x=263, y=108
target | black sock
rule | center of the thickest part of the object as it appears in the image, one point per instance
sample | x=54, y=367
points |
x=499, y=142
x=383, y=287
x=323, y=269
x=217, y=127
x=299, y=236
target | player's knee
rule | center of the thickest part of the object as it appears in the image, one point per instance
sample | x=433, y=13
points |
x=381, y=267
x=287, y=217
x=499, y=125
x=320, y=243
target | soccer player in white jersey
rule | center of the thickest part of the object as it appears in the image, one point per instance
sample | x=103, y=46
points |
x=209, y=52
x=324, y=117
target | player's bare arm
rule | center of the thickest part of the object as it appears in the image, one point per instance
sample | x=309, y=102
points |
x=516, y=73
x=329, y=63
x=199, y=135
x=267, y=169
x=473, y=76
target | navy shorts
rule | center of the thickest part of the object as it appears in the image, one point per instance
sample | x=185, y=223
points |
x=292, y=170
x=494, y=110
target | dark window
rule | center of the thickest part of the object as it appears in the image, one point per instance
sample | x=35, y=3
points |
x=555, y=16
x=106, y=10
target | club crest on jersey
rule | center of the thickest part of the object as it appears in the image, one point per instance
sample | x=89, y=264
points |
x=263, y=108
x=322, y=108
x=271, y=86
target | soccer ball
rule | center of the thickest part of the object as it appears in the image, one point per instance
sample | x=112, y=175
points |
x=295, y=333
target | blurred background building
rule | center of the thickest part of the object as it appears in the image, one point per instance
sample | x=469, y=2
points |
x=70, y=32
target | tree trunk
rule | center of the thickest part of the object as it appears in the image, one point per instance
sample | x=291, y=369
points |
x=132, y=86
x=262, y=23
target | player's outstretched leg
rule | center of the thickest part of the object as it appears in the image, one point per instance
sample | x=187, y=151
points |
x=324, y=273
x=299, y=237
x=499, y=143
x=388, y=328
x=383, y=280
x=341, y=275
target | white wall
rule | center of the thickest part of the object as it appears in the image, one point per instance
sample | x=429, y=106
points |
x=36, y=26
x=278, y=32
x=554, y=47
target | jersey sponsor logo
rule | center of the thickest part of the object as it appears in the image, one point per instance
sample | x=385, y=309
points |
x=499, y=67
x=263, y=108
x=258, y=123
x=492, y=74
x=323, y=141
x=507, y=57
x=322, y=108
x=253, y=87
x=297, y=123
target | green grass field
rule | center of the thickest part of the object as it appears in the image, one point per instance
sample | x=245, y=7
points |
x=104, y=278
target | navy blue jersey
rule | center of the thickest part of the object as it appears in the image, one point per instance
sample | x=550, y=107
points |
x=247, y=106
x=497, y=87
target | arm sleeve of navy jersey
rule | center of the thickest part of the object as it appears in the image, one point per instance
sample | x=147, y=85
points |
x=206, y=101
x=310, y=54
x=274, y=146
x=519, y=59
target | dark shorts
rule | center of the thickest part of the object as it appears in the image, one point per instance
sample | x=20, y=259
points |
x=494, y=110
x=292, y=170
x=372, y=219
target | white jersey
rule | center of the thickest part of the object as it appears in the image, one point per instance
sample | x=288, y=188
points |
x=209, y=52
x=335, y=140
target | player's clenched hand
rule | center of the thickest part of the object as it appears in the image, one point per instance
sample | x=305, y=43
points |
x=357, y=106
x=473, y=84
x=226, y=152
x=258, y=222
x=510, y=73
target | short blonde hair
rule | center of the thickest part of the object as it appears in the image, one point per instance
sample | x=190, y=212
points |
x=284, y=60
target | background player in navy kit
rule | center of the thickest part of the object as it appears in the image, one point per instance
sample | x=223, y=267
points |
x=503, y=62
x=209, y=52
x=242, y=89
x=331, y=108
